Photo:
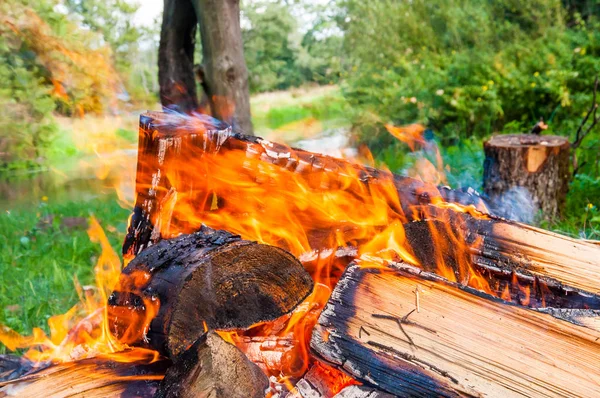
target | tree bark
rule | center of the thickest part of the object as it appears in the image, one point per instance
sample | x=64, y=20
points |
x=176, y=56
x=411, y=333
x=207, y=280
x=224, y=64
x=527, y=173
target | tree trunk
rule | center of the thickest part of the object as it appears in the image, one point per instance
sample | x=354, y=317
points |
x=411, y=333
x=176, y=56
x=224, y=64
x=526, y=173
x=207, y=280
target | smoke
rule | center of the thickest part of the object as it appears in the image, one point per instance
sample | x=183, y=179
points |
x=515, y=204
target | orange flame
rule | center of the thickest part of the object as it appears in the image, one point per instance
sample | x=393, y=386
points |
x=82, y=332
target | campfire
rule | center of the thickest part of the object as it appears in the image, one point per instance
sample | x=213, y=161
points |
x=253, y=269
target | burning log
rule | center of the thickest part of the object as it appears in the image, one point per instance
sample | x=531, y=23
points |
x=537, y=164
x=412, y=333
x=207, y=280
x=169, y=144
x=213, y=368
x=520, y=263
x=96, y=377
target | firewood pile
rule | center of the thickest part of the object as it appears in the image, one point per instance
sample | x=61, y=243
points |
x=258, y=270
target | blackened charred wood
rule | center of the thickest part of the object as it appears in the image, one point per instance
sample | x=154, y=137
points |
x=13, y=367
x=207, y=280
x=213, y=368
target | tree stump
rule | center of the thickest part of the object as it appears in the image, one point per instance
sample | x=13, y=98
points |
x=525, y=173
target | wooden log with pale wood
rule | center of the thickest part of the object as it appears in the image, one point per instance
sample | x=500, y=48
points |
x=533, y=166
x=98, y=377
x=523, y=264
x=211, y=279
x=411, y=333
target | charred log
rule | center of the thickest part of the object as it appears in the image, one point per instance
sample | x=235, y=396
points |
x=207, y=280
x=213, y=368
x=13, y=367
x=411, y=333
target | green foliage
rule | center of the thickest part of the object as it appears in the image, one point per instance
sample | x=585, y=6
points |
x=327, y=108
x=26, y=103
x=279, y=56
x=468, y=67
x=112, y=19
x=582, y=215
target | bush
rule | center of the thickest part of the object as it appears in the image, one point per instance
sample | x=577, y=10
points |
x=468, y=68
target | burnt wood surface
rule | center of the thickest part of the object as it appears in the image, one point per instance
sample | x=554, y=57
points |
x=538, y=165
x=13, y=367
x=166, y=139
x=211, y=279
x=213, y=368
x=411, y=333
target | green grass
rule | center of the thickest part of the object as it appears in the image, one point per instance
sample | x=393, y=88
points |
x=283, y=110
x=39, y=261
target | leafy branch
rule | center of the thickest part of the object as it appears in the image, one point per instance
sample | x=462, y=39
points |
x=584, y=130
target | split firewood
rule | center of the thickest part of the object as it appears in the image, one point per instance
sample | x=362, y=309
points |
x=207, y=280
x=213, y=368
x=169, y=173
x=533, y=166
x=522, y=264
x=461, y=342
x=98, y=377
